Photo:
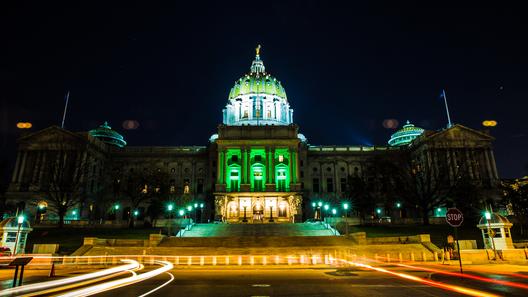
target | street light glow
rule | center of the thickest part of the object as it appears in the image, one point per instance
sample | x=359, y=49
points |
x=196, y=205
x=334, y=211
x=20, y=219
x=398, y=205
x=136, y=213
x=169, y=207
x=487, y=214
x=116, y=206
x=378, y=210
x=201, y=205
x=181, y=212
x=345, y=206
x=313, y=204
x=326, y=207
x=320, y=203
x=189, y=208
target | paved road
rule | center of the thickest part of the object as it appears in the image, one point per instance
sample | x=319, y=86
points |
x=297, y=282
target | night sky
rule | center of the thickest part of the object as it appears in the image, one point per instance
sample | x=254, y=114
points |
x=346, y=68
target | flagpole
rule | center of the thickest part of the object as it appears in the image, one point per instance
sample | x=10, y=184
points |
x=65, y=108
x=447, y=109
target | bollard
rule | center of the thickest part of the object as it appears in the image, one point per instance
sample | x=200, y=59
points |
x=252, y=260
x=177, y=260
x=302, y=259
x=264, y=260
x=277, y=260
x=227, y=260
x=189, y=260
x=202, y=261
x=400, y=257
x=239, y=260
x=424, y=257
x=376, y=257
x=289, y=260
x=214, y=260
x=314, y=260
x=412, y=256
x=447, y=256
x=435, y=256
x=326, y=260
x=388, y=258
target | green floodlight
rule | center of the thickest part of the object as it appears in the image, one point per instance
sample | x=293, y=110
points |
x=326, y=207
x=398, y=205
x=189, y=208
x=439, y=209
x=74, y=212
x=116, y=207
x=378, y=210
x=136, y=213
x=182, y=212
x=345, y=206
x=196, y=205
x=201, y=205
x=21, y=219
x=320, y=203
x=487, y=214
x=334, y=211
x=170, y=207
x=313, y=204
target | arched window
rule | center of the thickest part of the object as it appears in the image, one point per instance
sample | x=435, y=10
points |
x=259, y=179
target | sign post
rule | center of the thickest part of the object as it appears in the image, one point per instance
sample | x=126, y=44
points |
x=454, y=218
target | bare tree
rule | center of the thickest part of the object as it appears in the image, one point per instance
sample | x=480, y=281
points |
x=65, y=179
x=139, y=187
x=515, y=199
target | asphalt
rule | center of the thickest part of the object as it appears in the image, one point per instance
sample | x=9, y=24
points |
x=298, y=282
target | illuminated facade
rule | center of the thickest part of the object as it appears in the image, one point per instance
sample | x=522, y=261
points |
x=258, y=168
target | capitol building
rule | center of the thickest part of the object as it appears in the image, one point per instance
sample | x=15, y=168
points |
x=257, y=168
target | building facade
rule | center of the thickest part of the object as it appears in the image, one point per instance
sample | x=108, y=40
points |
x=257, y=168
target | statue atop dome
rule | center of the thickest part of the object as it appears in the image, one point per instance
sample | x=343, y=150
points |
x=258, y=50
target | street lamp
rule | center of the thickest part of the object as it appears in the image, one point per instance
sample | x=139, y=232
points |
x=314, y=207
x=20, y=220
x=201, y=212
x=169, y=208
x=116, y=208
x=345, y=206
x=270, y=203
x=491, y=234
x=244, y=203
x=189, y=209
x=334, y=211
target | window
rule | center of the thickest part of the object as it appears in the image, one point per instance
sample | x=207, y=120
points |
x=186, y=188
x=172, y=189
x=234, y=158
x=281, y=158
x=302, y=173
x=343, y=184
x=258, y=158
x=315, y=185
x=257, y=176
x=145, y=189
x=328, y=169
x=200, y=186
x=329, y=185
x=342, y=169
x=173, y=170
x=281, y=179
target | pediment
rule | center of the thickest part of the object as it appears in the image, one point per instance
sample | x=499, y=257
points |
x=458, y=135
x=51, y=137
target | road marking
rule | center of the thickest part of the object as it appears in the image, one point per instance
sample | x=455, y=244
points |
x=260, y=285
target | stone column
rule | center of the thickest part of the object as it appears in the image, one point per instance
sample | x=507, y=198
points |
x=224, y=166
x=244, y=168
x=247, y=164
x=272, y=162
x=469, y=164
x=493, y=164
x=22, y=167
x=17, y=168
x=297, y=167
x=488, y=165
x=219, y=162
x=291, y=155
x=36, y=168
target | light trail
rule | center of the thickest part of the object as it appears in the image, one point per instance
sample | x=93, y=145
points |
x=470, y=276
x=61, y=282
x=159, y=287
x=453, y=288
x=120, y=282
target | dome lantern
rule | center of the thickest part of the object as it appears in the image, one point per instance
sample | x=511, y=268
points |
x=105, y=134
x=405, y=135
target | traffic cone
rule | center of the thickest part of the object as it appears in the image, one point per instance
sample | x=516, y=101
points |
x=52, y=270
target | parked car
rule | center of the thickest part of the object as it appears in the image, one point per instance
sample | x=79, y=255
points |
x=5, y=251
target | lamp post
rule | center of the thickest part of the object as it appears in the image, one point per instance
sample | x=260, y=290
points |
x=244, y=205
x=314, y=210
x=201, y=212
x=20, y=221
x=169, y=208
x=398, y=206
x=196, y=212
x=270, y=204
x=116, y=208
x=326, y=207
x=345, y=207
x=491, y=233
x=182, y=214
x=320, y=210
x=189, y=209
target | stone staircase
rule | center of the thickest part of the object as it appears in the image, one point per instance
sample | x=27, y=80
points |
x=260, y=230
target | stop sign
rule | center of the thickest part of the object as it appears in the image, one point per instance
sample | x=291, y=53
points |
x=454, y=217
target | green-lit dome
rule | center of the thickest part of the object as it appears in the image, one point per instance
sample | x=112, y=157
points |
x=107, y=135
x=405, y=135
x=257, y=98
x=257, y=83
